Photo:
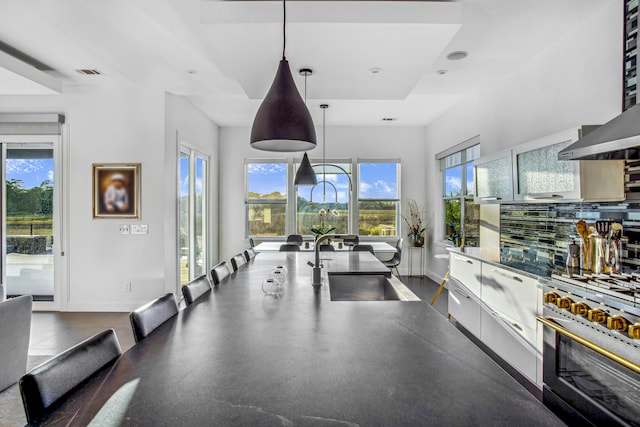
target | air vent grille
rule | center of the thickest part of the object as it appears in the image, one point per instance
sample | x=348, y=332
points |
x=90, y=72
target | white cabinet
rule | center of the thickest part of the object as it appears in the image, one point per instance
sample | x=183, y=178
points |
x=539, y=176
x=515, y=295
x=467, y=271
x=464, y=308
x=494, y=178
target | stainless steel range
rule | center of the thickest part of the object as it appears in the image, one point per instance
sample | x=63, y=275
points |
x=592, y=348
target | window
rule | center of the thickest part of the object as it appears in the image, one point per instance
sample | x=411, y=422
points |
x=378, y=198
x=192, y=218
x=461, y=215
x=266, y=199
x=331, y=194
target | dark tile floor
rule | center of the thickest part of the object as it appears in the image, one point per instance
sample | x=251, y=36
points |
x=52, y=333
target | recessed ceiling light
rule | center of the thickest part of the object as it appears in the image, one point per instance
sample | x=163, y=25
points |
x=192, y=72
x=375, y=70
x=389, y=119
x=89, y=72
x=442, y=72
x=457, y=55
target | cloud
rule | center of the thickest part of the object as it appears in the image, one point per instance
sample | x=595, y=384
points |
x=23, y=166
x=453, y=184
x=50, y=175
x=267, y=168
x=364, y=187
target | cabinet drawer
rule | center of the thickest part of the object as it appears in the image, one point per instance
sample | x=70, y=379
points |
x=467, y=271
x=508, y=342
x=512, y=294
x=464, y=308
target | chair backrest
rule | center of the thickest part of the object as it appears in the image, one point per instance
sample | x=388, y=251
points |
x=147, y=318
x=288, y=247
x=238, y=261
x=327, y=248
x=398, y=254
x=251, y=242
x=363, y=248
x=249, y=254
x=294, y=238
x=196, y=288
x=49, y=383
x=220, y=272
x=351, y=242
x=15, y=330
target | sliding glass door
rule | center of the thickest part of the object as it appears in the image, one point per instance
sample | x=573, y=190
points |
x=30, y=218
x=193, y=216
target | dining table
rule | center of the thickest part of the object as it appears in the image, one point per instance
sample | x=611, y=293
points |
x=378, y=247
x=240, y=357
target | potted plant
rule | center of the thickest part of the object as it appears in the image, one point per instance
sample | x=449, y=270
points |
x=323, y=228
x=416, y=223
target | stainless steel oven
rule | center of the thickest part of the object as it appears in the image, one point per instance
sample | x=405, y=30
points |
x=591, y=356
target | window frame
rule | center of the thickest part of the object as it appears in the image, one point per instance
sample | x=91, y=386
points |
x=464, y=161
x=286, y=200
x=397, y=200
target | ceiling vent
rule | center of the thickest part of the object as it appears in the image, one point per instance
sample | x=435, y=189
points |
x=90, y=72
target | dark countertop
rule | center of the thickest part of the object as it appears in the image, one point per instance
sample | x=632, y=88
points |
x=238, y=357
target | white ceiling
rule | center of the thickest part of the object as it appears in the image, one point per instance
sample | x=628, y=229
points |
x=223, y=55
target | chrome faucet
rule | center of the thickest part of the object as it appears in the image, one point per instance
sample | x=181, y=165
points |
x=317, y=267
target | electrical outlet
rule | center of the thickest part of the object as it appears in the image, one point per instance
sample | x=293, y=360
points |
x=125, y=229
x=127, y=286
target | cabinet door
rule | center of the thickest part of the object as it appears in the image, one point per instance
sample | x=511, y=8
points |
x=514, y=294
x=467, y=271
x=494, y=178
x=540, y=175
x=511, y=341
x=464, y=308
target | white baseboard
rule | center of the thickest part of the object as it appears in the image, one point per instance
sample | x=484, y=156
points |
x=105, y=306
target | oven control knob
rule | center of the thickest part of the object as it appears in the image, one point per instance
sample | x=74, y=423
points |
x=579, y=309
x=597, y=315
x=564, y=302
x=617, y=323
x=551, y=297
x=634, y=331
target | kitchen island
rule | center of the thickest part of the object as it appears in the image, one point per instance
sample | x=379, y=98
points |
x=238, y=357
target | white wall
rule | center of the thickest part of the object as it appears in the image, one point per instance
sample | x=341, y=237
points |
x=120, y=122
x=406, y=143
x=575, y=81
x=184, y=123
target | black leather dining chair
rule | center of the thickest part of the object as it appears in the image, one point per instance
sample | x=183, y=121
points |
x=363, y=248
x=250, y=254
x=294, y=238
x=251, y=243
x=196, y=288
x=147, y=318
x=327, y=248
x=48, y=384
x=288, y=247
x=238, y=261
x=220, y=272
x=394, y=262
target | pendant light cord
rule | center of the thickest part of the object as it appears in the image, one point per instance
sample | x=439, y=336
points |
x=284, y=28
x=324, y=160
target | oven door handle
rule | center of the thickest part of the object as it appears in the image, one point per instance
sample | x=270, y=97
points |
x=547, y=321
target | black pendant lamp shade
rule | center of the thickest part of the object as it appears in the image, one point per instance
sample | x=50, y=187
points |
x=305, y=174
x=283, y=122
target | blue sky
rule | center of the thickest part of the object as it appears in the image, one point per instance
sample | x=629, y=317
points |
x=184, y=175
x=377, y=181
x=32, y=172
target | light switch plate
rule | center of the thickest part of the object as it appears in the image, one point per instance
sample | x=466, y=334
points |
x=124, y=229
x=139, y=229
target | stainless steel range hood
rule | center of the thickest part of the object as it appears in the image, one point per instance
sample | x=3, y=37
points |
x=618, y=139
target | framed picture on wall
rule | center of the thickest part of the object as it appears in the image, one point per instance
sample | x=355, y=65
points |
x=116, y=190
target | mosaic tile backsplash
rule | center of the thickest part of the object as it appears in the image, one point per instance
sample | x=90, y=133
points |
x=535, y=237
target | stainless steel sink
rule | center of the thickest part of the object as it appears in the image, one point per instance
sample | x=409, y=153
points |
x=368, y=287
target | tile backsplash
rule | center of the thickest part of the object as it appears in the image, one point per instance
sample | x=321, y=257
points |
x=534, y=237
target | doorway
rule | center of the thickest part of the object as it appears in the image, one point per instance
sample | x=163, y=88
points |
x=31, y=218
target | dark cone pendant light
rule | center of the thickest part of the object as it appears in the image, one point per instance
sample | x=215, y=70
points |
x=305, y=174
x=283, y=122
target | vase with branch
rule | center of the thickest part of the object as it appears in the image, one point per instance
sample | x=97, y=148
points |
x=416, y=222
